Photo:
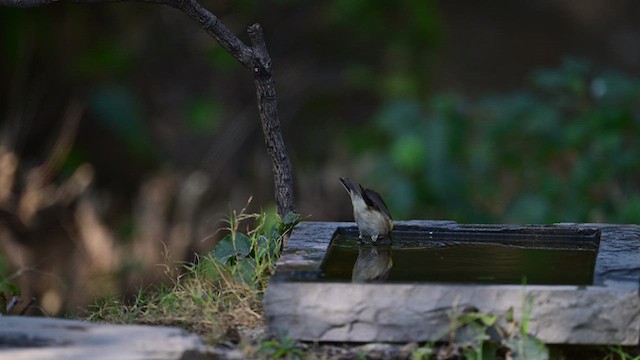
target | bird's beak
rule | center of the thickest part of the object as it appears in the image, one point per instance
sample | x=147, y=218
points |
x=349, y=185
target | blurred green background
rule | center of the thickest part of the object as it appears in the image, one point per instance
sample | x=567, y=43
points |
x=127, y=132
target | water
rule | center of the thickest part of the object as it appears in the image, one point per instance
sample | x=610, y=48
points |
x=465, y=257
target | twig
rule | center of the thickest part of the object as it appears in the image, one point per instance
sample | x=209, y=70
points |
x=28, y=306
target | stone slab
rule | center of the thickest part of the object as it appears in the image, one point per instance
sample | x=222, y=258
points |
x=33, y=338
x=608, y=312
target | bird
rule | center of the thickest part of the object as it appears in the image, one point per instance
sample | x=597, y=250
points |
x=374, y=263
x=369, y=211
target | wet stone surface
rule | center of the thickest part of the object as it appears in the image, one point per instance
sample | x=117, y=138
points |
x=301, y=302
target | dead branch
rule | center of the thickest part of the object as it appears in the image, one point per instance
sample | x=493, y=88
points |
x=256, y=59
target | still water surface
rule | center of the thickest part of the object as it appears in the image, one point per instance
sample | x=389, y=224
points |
x=459, y=261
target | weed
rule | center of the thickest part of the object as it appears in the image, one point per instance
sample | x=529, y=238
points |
x=617, y=352
x=10, y=299
x=278, y=349
x=219, y=293
x=476, y=335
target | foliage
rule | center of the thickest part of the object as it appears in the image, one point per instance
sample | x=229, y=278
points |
x=11, y=302
x=476, y=335
x=220, y=292
x=617, y=352
x=9, y=292
x=277, y=349
x=562, y=149
x=408, y=31
x=250, y=257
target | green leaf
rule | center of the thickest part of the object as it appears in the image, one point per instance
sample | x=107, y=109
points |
x=245, y=270
x=423, y=352
x=268, y=247
x=263, y=247
x=275, y=245
x=12, y=289
x=210, y=268
x=472, y=353
x=243, y=245
x=291, y=218
x=275, y=231
x=527, y=347
x=227, y=248
x=224, y=250
x=472, y=334
x=490, y=350
x=488, y=320
x=508, y=316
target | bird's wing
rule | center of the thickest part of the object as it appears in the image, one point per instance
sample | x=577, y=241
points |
x=374, y=199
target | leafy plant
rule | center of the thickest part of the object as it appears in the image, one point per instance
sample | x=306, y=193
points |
x=560, y=149
x=11, y=302
x=220, y=291
x=250, y=257
x=521, y=344
x=423, y=352
x=617, y=352
x=476, y=335
x=9, y=293
x=278, y=349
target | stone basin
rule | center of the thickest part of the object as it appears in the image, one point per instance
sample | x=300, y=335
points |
x=302, y=304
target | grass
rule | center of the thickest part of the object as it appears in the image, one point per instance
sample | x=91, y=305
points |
x=220, y=295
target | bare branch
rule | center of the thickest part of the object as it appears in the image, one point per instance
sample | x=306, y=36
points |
x=262, y=65
x=268, y=109
x=214, y=27
x=255, y=58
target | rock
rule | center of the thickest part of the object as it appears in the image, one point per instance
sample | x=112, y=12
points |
x=381, y=351
x=607, y=312
x=35, y=338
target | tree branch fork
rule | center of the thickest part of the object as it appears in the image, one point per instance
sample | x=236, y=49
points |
x=255, y=58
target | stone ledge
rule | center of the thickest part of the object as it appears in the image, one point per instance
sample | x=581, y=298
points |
x=606, y=313
x=35, y=338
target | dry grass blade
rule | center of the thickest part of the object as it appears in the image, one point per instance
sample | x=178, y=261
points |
x=212, y=298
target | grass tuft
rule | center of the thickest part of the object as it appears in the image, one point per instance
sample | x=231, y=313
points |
x=220, y=295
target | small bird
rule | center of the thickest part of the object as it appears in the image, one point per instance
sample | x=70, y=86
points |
x=374, y=263
x=369, y=211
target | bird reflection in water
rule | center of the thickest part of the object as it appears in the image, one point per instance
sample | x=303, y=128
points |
x=373, y=263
